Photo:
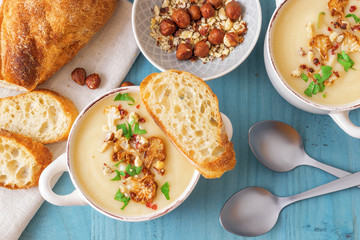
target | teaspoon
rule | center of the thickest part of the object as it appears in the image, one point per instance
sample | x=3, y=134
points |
x=279, y=147
x=254, y=211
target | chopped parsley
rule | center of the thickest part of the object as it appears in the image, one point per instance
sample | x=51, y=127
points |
x=304, y=77
x=124, y=97
x=321, y=13
x=345, y=60
x=117, y=164
x=118, y=175
x=132, y=170
x=138, y=131
x=119, y=196
x=319, y=86
x=357, y=20
x=165, y=190
x=127, y=132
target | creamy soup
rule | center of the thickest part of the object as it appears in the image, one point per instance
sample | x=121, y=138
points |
x=297, y=23
x=93, y=166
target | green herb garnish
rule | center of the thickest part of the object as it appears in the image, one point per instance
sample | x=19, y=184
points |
x=132, y=121
x=324, y=95
x=165, y=190
x=304, y=77
x=321, y=13
x=345, y=60
x=118, y=175
x=117, y=164
x=124, y=97
x=353, y=16
x=126, y=131
x=119, y=196
x=313, y=87
x=138, y=131
x=132, y=170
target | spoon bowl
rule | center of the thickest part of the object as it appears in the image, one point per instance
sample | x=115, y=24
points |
x=276, y=145
x=250, y=212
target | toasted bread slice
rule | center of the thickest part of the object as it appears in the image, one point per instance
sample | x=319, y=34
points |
x=21, y=160
x=186, y=109
x=43, y=115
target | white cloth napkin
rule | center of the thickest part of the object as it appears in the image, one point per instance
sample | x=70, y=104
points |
x=110, y=53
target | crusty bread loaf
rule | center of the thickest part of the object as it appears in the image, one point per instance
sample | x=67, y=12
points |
x=21, y=160
x=187, y=110
x=38, y=37
x=43, y=115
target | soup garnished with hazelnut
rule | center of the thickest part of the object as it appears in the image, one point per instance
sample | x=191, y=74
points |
x=316, y=49
x=123, y=162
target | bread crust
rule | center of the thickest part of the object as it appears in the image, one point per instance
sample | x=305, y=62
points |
x=213, y=169
x=41, y=155
x=66, y=104
x=38, y=37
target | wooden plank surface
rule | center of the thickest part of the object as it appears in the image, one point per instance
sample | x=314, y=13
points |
x=246, y=96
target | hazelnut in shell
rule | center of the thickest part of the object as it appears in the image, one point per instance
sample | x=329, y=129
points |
x=201, y=49
x=207, y=10
x=194, y=12
x=233, y=10
x=181, y=18
x=216, y=36
x=231, y=39
x=184, y=51
x=216, y=3
x=167, y=27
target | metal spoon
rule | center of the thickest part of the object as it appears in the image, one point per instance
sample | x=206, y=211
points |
x=254, y=211
x=279, y=147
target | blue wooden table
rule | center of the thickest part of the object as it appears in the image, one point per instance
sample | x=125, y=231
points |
x=246, y=96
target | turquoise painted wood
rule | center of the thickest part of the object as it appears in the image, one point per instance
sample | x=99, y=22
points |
x=246, y=96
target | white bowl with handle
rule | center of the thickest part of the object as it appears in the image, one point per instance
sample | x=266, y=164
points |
x=340, y=114
x=79, y=196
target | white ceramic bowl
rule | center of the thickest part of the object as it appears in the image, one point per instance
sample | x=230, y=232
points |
x=79, y=197
x=340, y=114
x=141, y=15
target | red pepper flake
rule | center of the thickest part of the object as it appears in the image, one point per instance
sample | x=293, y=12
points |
x=334, y=48
x=336, y=74
x=303, y=66
x=329, y=29
x=141, y=120
x=119, y=107
x=316, y=61
x=127, y=175
x=311, y=70
x=138, y=106
x=352, y=8
x=356, y=28
x=151, y=205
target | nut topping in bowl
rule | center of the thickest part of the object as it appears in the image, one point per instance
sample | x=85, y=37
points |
x=198, y=21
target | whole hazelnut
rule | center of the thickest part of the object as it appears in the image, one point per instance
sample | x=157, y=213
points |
x=194, y=12
x=181, y=18
x=167, y=27
x=79, y=75
x=233, y=10
x=184, y=51
x=93, y=81
x=216, y=36
x=201, y=49
x=204, y=30
x=207, y=10
x=216, y=3
x=127, y=84
x=231, y=39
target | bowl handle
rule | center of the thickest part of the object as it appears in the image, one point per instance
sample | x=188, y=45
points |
x=279, y=2
x=56, y=167
x=342, y=119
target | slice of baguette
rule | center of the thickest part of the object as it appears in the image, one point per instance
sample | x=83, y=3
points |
x=186, y=109
x=43, y=115
x=21, y=160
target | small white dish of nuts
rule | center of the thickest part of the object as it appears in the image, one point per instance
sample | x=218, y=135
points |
x=208, y=38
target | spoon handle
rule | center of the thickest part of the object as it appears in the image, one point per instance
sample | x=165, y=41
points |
x=334, y=186
x=329, y=169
